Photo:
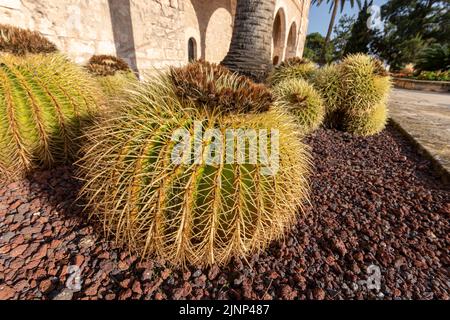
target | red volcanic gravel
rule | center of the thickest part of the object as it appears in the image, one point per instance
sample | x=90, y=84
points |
x=375, y=205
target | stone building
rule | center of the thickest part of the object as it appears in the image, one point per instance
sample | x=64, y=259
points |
x=151, y=33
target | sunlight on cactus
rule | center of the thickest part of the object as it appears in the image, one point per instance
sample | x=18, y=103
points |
x=303, y=101
x=191, y=212
x=45, y=100
x=293, y=68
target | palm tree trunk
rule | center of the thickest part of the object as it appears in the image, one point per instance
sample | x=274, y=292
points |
x=250, y=49
x=330, y=31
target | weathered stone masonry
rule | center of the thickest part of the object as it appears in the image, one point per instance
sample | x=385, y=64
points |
x=151, y=33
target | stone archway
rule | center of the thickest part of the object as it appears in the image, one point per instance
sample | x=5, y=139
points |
x=279, y=36
x=291, y=46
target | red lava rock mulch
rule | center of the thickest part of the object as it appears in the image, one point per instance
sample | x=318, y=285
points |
x=375, y=203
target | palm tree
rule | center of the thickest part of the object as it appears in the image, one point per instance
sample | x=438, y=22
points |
x=250, y=48
x=333, y=8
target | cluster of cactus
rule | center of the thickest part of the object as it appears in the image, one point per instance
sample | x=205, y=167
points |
x=293, y=68
x=355, y=93
x=112, y=73
x=20, y=41
x=301, y=99
x=196, y=211
x=365, y=89
x=44, y=101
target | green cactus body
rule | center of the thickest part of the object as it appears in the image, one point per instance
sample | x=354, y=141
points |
x=367, y=123
x=294, y=68
x=43, y=101
x=327, y=80
x=363, y=84
x=303, y=101
x=190, y=212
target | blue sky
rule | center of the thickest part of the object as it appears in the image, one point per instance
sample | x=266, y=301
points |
x=319, y=17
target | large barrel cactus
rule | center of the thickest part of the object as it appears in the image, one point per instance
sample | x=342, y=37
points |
x=303, y=101
x=21, y=41
x=168, y=176
x=293, y=68
x=44, y=99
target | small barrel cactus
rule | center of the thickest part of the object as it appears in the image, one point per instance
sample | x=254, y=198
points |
x=303, y=101
x=367, y=123
x=21, y=41
x=44, y=101
x=161, y=174
x=112, y=73
x=365, y=83
x=293, y=68
x=106, y=65
x=327, y=80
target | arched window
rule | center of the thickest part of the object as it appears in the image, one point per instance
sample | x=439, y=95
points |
x=192, y=50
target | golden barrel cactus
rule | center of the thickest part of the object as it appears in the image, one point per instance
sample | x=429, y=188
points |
x=365, y=82
x=327, y=80
x=21, y=41
x=293, y=68
x=44, y=99
x=303, y=101
x=173, y=177
x=112, y=73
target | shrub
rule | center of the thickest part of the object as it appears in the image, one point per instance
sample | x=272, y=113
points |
x=367, y=123
x=44, y=101
x=327, y=80
x=20, y=41
x=293, y=68
x=365, y=83
x=434, y=75
x=190, y=212
x=303, y=101
x=434, y=58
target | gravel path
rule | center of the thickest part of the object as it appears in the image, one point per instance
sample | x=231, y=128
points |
x=375, y=205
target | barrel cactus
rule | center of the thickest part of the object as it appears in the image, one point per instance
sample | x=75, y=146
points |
x=21, y=41
x=303, y=101
x=112, y=73
x=160, y=173
x=367, y=123
x=365, y=82
x=293, y=68
x=327, y=80
x=44, y=101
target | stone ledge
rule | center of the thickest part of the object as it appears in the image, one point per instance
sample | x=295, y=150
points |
x=423, y=85
x=438, y=166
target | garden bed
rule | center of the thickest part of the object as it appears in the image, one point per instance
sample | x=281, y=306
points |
x=375, y=203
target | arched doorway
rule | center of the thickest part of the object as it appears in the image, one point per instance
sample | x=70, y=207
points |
x=291, y=46
x=278, y=36
x=192, y=50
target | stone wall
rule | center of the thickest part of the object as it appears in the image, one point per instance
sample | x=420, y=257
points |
x=147, y=33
